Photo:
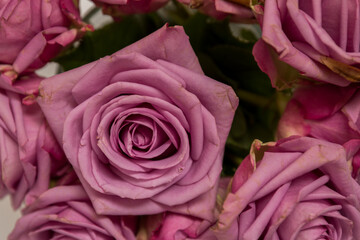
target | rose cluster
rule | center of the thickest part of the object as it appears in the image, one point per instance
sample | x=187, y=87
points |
x=132, y=145
x=137, y=129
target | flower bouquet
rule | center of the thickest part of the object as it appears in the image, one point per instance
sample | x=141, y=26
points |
x=169, y=120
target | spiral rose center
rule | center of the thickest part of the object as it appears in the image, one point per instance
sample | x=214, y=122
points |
x=142, y=137
x=340, y=19
x=136, y=136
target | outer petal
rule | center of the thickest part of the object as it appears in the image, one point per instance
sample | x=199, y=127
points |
x=322, y=101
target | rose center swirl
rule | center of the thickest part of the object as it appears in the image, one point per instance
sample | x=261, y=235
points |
x=141, y=137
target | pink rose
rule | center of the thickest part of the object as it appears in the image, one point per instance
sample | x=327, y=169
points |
x=33, y=32
x=29, y=153
x=66, y=213
x=119, y=8
x=297, y=188
x=221, y=9
x=143, y=128
x=321, y=40
x=325, y=112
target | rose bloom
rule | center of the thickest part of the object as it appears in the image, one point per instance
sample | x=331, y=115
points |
x=325, y=112
x=66, y=213
x=318, y=38
x=29, y=153
x=119, y=8
x=220, y=9
x=34, y=31
x=297, y=188
x=144, y=128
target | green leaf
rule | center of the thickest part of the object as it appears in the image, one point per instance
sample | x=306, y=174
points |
x=239, y=127
x=195, y=27
x=233, y=57
x=246, y=33
x=212, y=70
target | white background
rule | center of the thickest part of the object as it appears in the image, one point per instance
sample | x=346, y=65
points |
x=8, y=216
